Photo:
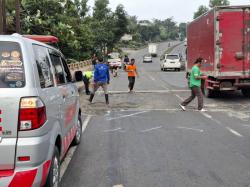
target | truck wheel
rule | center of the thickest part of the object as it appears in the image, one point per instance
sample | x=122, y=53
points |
x=209, y=93
x=246, y=92
x=77, y=138
x=54, y=172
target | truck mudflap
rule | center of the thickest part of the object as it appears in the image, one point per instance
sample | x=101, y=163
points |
x=25, y=178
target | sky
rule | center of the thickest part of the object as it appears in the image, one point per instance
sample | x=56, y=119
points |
x=180, y=10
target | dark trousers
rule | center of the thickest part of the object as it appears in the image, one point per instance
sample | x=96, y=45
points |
x=86, y=84
x=195, y=92
x=131, y=84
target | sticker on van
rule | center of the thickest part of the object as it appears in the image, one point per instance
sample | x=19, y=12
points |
x=11, y=65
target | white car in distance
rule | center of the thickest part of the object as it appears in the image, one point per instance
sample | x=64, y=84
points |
x=171, y=62
x=114, y=60
x=147, y=58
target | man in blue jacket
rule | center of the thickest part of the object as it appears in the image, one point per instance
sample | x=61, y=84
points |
x=101, y=79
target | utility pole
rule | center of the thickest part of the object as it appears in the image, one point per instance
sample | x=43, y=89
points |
x=18, y=19
x=1, y=16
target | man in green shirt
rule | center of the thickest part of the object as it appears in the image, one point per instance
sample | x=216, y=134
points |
x=195, y=86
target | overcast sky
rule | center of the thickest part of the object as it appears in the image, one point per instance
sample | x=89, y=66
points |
x=181, y=10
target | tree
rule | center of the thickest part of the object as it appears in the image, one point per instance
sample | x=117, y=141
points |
x=18, y=19
x=213, y=3
x=182, y=30
x=121, y=22
x=101, y=10
x=201, y=10
x=1, y=17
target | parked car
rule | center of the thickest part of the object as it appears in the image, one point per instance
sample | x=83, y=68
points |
x=171, y=62
x=40, y=113
x=114, y=60
x=147, y=58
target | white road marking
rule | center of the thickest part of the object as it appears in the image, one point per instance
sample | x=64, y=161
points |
x=234, y=132
x=146, y=91
x=66, y=161
x=125, y=116
x=85, y=123
x=206, y=115
x=155, y=128
x=246, y=125
x=199, y=130
x=113, y=130
x=152, y=78
x=179, y=97
x=119, y=185
x=72, y=150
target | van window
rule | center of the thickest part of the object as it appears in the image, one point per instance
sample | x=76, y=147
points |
x=43, y=66
x=59, y=71
x=11, y=65
x=67, y=71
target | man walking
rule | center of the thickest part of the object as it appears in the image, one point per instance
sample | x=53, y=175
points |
x=132, y=73
x=87, y=76
x=195, y=86
x=101, y=79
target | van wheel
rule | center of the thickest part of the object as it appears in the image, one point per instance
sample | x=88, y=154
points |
x=78, y=136
x=246, y=92
x=54, y=172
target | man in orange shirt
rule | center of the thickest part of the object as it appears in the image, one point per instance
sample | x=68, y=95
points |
x=132, y=73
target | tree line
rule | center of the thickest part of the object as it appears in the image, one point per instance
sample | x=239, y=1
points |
x=212, y=3
x=83, y=31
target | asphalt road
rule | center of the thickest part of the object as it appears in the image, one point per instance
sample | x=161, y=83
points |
x=144, y=139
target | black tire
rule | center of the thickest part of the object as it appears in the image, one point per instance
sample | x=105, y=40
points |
x=55, y=163
x=209, y=93
x=78, y=136
x=245, y=92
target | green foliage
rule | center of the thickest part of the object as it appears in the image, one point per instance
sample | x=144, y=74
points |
x=213, y=3
x=101, y=10
x=201, y=10
x=182, y=30
x=80, y=34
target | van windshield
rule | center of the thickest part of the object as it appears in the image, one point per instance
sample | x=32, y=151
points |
x=11, y=65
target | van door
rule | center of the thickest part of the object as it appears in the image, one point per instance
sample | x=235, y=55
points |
x=12, y=82
x=233, y=41
x=65, y=93
x=71, y=107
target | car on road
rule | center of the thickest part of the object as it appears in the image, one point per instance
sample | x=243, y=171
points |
x=114, y=60
x=147, y=58
x=171, y=62
x=40, y=114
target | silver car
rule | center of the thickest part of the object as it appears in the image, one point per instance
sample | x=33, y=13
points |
x=40, y=113
x=147, y=58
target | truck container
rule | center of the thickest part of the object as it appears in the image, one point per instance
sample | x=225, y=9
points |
x=152, y=49
x=222, y=38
